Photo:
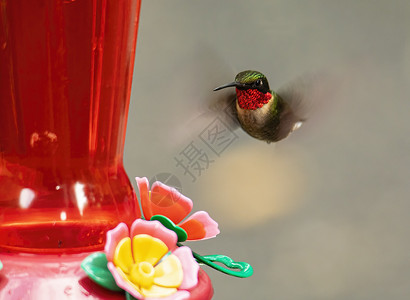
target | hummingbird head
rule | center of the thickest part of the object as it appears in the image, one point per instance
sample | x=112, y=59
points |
x=252, y=89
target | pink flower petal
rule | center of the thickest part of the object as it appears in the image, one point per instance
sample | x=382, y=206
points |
x=169, y=202
x=122, y=283
x=179, y=295
x=155, y=229
x=143, y=187
x=114, y=236
x=189, y=266
x=200, y=226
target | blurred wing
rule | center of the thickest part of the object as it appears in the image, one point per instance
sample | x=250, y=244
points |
x=203, y=105
x=309, y=94
x=224, y=106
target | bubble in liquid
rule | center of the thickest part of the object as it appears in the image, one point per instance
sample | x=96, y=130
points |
x=44, y=143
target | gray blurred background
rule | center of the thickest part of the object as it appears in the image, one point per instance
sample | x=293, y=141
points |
x=323, y=214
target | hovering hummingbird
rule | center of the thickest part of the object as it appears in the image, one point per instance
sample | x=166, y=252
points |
x=261, y=112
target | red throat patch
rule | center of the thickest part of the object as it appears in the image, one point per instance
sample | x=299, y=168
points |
x=252, y=98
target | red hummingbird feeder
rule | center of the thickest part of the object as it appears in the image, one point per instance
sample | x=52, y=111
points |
x=65, y=82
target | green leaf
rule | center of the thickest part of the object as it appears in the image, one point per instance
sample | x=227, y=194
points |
x=235, y=268
x=95, y=265
x=181, y=233
x=129, y=296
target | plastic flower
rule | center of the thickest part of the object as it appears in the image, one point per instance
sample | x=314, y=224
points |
x=146, y=262
x=167, y=201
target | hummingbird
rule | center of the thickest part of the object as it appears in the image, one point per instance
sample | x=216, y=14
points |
x=261, y=112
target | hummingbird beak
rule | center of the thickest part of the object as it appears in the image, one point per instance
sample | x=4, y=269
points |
x=227, y=85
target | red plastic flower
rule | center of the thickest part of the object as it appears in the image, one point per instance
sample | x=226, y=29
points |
x=169, y=202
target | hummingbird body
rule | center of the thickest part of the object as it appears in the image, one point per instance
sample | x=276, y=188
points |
x=262, y=113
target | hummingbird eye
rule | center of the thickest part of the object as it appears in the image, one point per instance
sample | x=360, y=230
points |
x=258, y=82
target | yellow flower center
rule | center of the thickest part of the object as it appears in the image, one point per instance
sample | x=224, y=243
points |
x=142, y=274
x=146, y=266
